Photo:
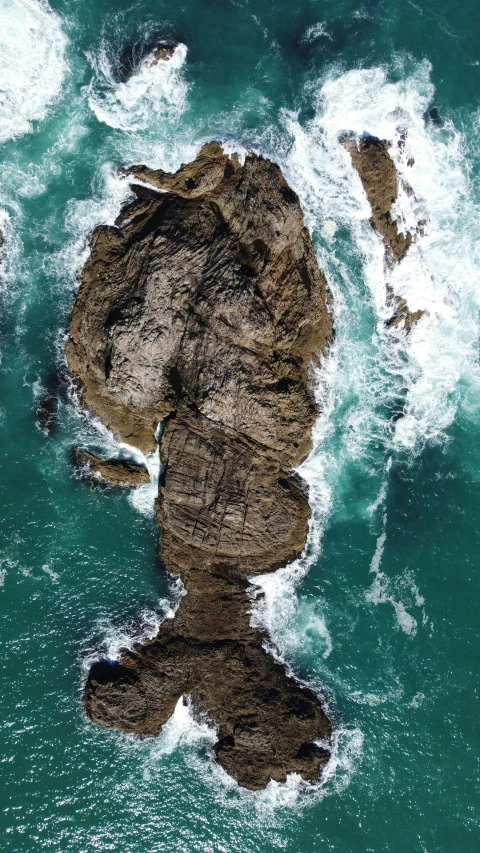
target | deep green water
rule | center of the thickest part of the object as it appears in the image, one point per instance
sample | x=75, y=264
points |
x=381, y=616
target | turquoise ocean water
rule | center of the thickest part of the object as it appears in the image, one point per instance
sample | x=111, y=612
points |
x=381, y=615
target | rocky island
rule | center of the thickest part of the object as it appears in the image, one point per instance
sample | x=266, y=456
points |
x=203, y=310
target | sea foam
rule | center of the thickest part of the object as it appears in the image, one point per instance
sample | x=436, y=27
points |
x=438, y=274
x=32, y=64
x=154, y=90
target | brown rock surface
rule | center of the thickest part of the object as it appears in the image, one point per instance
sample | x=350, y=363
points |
x=116, y=472
x=378, y=175
x=162, y=53
x=370, y=158
x=204, y=308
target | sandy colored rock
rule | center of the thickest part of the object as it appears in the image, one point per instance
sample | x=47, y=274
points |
x=204, y=308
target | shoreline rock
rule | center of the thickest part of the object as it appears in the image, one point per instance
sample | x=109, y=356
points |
x=370, y=158
x=122, y=473
x=135, y=55
x=204, y=308
x=377, y=172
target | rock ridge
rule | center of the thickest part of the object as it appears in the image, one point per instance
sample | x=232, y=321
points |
x=203, y=308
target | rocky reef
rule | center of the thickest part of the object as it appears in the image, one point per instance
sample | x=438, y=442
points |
x=377, y=172
x=114, y=472
x=204, y=309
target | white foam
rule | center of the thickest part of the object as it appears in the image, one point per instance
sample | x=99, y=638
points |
x=155, y=90
x=181, y=729
x=117, y=639
x=143, y=497
x=417, y=700
x=316, y=31
x=329, y=229
x=54, y=576
x=231, y=147
x=32, y=63
x=85, y=214
x=380, y=591
x=8, y=249
x=439, y=273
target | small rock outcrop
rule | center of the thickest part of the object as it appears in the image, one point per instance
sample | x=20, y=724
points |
x=162, y=53
x=377, y=172
x=46, y=414
x=204, y=309
x=122, y=473
x=136, y=55
x=370, y=158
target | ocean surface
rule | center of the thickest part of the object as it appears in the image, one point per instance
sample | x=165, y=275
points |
x=380, y=616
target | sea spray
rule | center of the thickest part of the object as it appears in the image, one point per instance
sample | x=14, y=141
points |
x=32, y=64
x=154, y=90
x=438, y=275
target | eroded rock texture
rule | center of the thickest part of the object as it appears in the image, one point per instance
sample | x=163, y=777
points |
x=121, y=473
x=204, y=308
x=372, y=161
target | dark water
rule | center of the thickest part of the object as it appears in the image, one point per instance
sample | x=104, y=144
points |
x=381, y=615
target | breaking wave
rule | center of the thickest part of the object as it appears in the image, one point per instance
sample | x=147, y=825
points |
x=154, y=90
x=32, y=64
x=419, y=374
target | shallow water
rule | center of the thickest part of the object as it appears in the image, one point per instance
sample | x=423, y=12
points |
x=380, y=614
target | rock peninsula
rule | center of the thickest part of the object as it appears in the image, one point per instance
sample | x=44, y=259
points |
x=203, y=309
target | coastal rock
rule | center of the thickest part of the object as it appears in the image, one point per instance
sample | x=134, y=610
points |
x=370, y=158
x=46, y=414
x=204, y=309
x=162, y=53
x=149, y=52
x=117, y=472
x=377, y=172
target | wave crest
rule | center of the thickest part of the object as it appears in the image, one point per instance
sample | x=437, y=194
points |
x=32, y=64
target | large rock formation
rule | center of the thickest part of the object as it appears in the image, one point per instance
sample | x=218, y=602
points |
x=204, y=308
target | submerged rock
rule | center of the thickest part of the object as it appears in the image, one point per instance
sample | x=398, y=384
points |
x=46, y=414
x=150, y=51
x=435, y=117
x=47, y=409
x=204, y=308
x=116, y=472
